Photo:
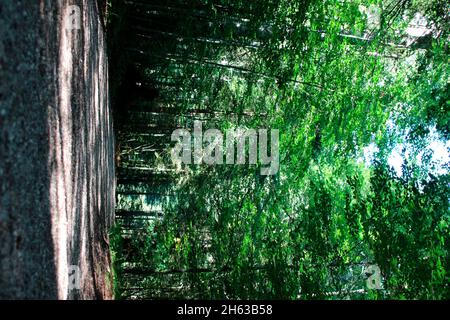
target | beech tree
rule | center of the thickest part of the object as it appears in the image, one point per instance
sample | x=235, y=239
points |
x=347, y=83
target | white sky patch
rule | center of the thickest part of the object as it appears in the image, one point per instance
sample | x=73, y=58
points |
x=440, y=154
x=440, y=151
x=396, y=160
x=418, y=27
x=417, y=32
x=369, y=153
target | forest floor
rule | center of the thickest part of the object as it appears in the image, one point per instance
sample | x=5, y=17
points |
x=57, y=179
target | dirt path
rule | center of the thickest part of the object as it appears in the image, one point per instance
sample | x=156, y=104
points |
x=57, y=181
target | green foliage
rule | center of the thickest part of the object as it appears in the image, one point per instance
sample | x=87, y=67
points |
x=333, y=82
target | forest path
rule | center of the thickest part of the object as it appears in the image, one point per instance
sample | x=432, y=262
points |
x=57, y=180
